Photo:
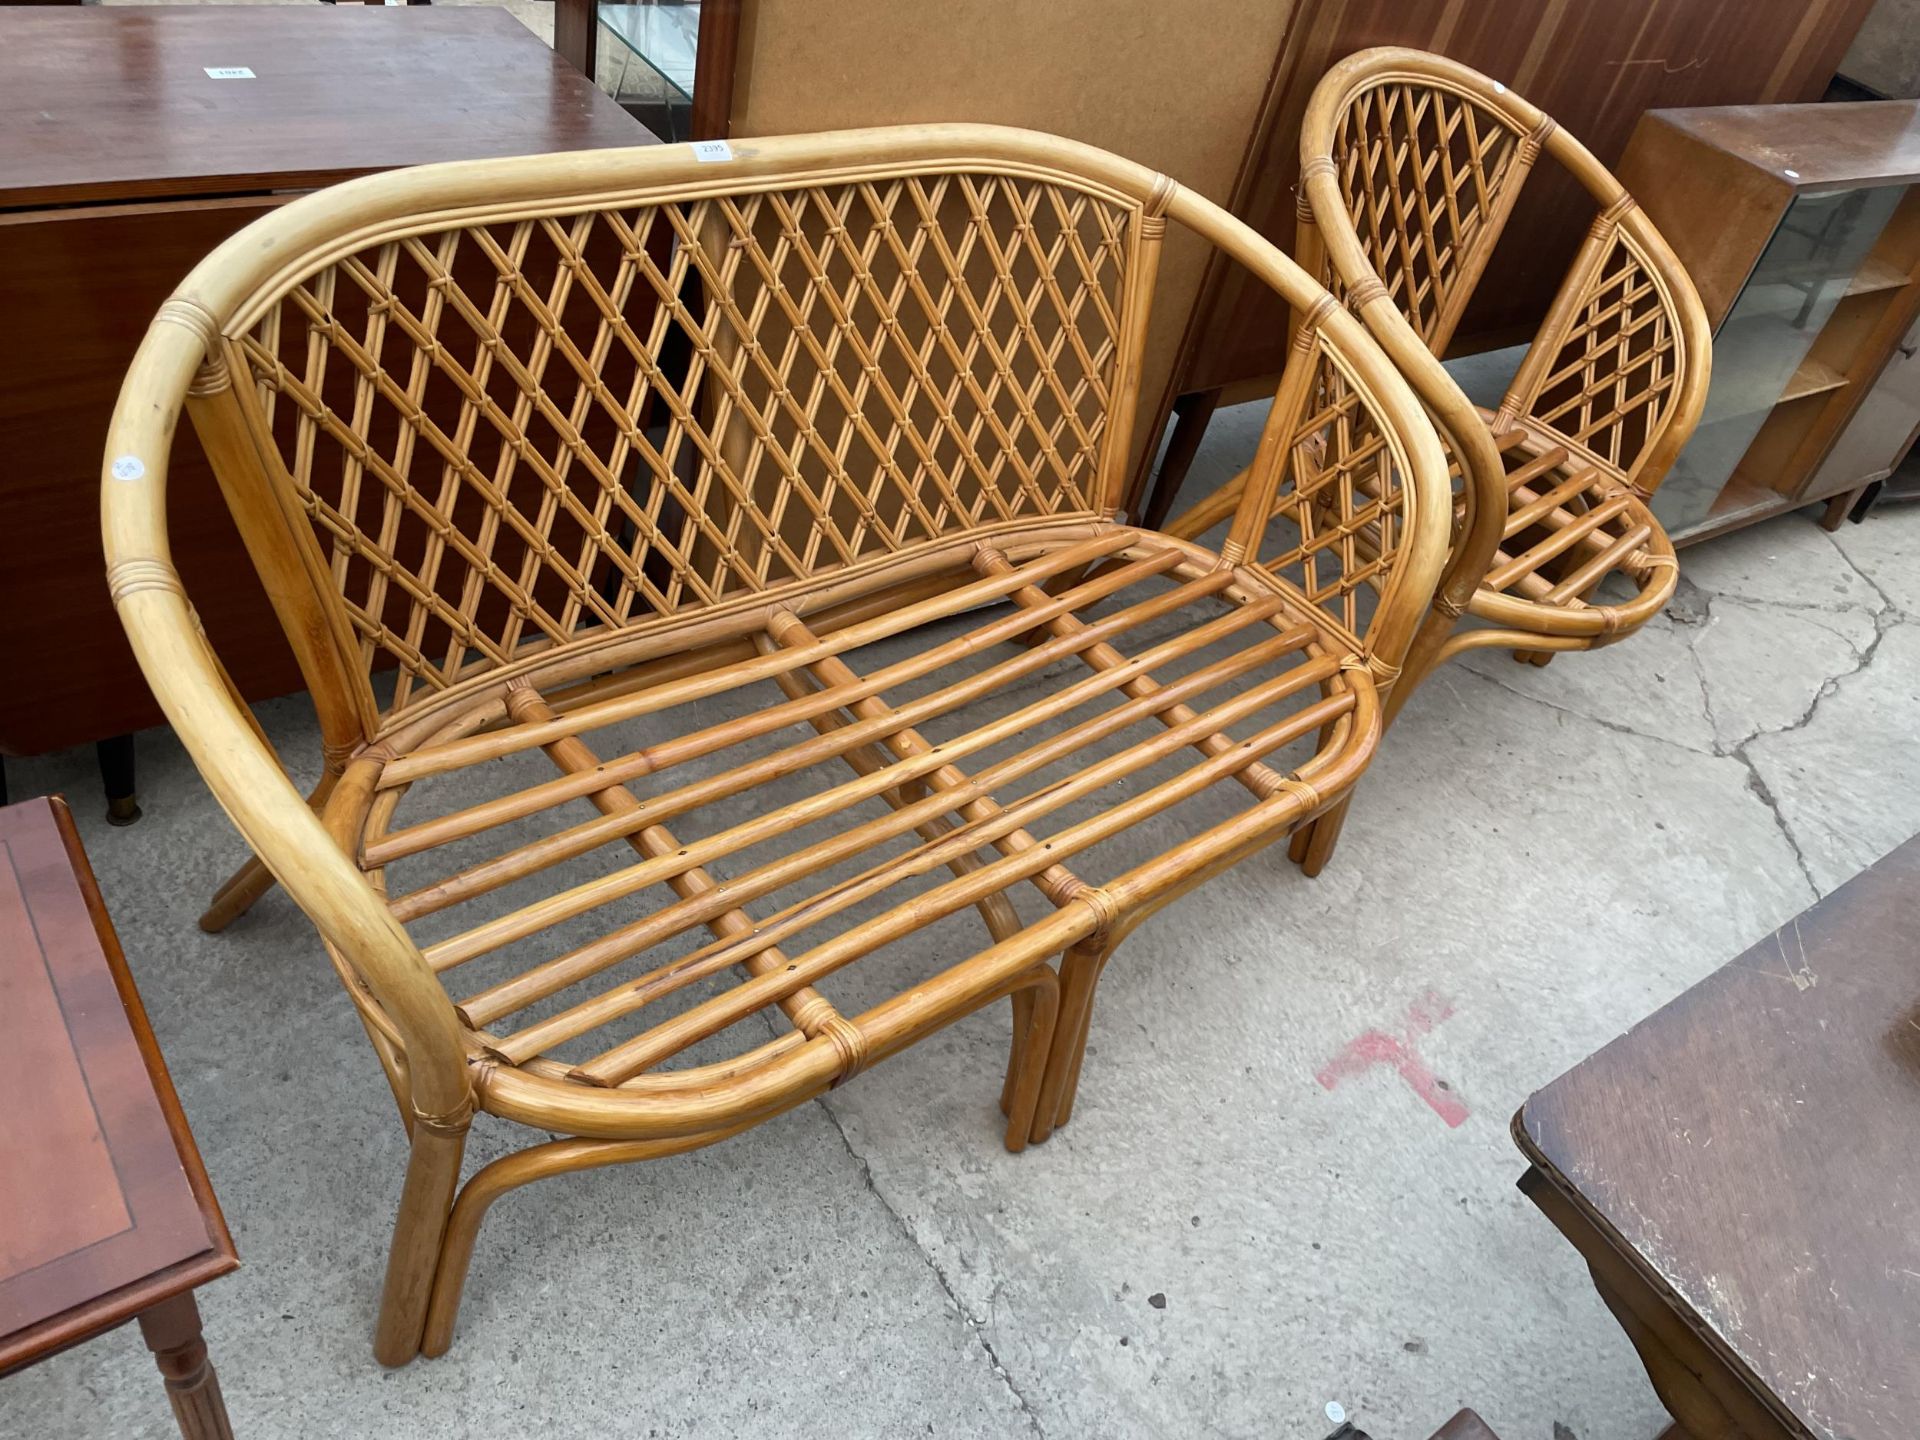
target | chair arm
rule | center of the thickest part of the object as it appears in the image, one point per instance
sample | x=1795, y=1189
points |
x=242, y=772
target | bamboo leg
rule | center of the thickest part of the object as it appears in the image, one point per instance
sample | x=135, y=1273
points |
x=1035, y=1028
x=1022, y=1016
x=1321, y=835
x=510, y=1172
x=1080, y=971
x=433, y=1170
x=252, y=880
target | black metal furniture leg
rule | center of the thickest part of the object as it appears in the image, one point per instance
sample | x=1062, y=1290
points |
x=115, y=755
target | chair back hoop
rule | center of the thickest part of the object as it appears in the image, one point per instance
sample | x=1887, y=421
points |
x=1411, y=165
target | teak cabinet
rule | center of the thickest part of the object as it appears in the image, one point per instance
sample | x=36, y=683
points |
x=1800, y=225
x=125, y=158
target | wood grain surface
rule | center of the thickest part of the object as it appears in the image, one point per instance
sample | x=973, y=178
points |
x=111, y=103
x=103, y=105
x=1594, y=68
x=105, y=1208
x=1752, y=1150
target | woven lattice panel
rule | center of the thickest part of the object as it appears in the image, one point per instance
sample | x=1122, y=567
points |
x=1424, y=174
x=1339, y=511
x=1612, y=376
x=515, y=433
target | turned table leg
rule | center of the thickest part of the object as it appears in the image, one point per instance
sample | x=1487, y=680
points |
x=172, y=1332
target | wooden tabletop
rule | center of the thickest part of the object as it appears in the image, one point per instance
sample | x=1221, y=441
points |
x=1813, y=147
x=1753, y=1149
x=115, y=103
x=105, y=1208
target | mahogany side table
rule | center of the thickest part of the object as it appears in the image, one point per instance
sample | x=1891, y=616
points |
x=1739, y=1172
x=106, y=1214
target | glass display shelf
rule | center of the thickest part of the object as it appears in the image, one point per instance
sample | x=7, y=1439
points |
x=649, y=65
x=1818, y=258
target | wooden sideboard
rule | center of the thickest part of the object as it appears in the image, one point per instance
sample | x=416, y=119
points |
x=122, y=163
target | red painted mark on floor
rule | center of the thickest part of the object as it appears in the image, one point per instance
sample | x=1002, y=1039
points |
x=1376, y=1047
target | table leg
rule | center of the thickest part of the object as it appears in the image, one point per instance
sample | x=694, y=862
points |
x=116, y=778
x=1190, y=416
x=1706, y=1400
x=172, y=1332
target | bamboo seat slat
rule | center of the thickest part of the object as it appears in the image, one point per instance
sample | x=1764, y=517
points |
x=731, y=661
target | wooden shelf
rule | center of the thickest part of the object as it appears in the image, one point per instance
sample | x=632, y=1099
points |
x=1812, y=378
x=1876, y=275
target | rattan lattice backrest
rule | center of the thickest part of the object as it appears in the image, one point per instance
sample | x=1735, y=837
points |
x=1428, y=178
x=1427, y=160
x=517, y=432
x=1339, y=503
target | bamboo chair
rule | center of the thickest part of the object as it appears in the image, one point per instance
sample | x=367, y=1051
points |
x=1410, y=166
x=754, y=641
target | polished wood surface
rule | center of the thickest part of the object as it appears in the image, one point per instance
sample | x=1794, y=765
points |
x=111, y=106
x=114, y=103
x=1825, y=147
x=83, y=283
x=1743, y=1170
x=105, y=1209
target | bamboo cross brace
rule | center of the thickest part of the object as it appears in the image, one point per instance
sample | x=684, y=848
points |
x=457, y=754
x=1103, y=658
x=650, y=759
x=809, y=1011
x=1056, y=882
x=564, y=845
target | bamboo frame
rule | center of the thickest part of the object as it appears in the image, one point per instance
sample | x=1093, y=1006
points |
x=1410, y=167
x=911, y=372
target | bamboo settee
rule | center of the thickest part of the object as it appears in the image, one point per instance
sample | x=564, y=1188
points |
x=1410, y=165
x=730, y=661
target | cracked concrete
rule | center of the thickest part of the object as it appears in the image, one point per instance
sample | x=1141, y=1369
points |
x=1219, y=1243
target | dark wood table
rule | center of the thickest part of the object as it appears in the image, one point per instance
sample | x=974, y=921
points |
x=105, y=1210
x=1741, y=1172
x=122, y=162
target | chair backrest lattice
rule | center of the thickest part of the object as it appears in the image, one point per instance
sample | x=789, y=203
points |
x=1419, y=162
x=1337, y=509
x=1607, y=378
x=514, y=433
x=1429, y=178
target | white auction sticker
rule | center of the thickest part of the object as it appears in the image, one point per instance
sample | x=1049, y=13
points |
x=128, y=467
x=710, y=150
x=230, y=72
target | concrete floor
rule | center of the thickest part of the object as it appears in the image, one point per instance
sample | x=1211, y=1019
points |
x=1218, y=1245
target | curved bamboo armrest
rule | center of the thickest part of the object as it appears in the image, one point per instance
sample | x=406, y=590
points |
x=243, y=773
